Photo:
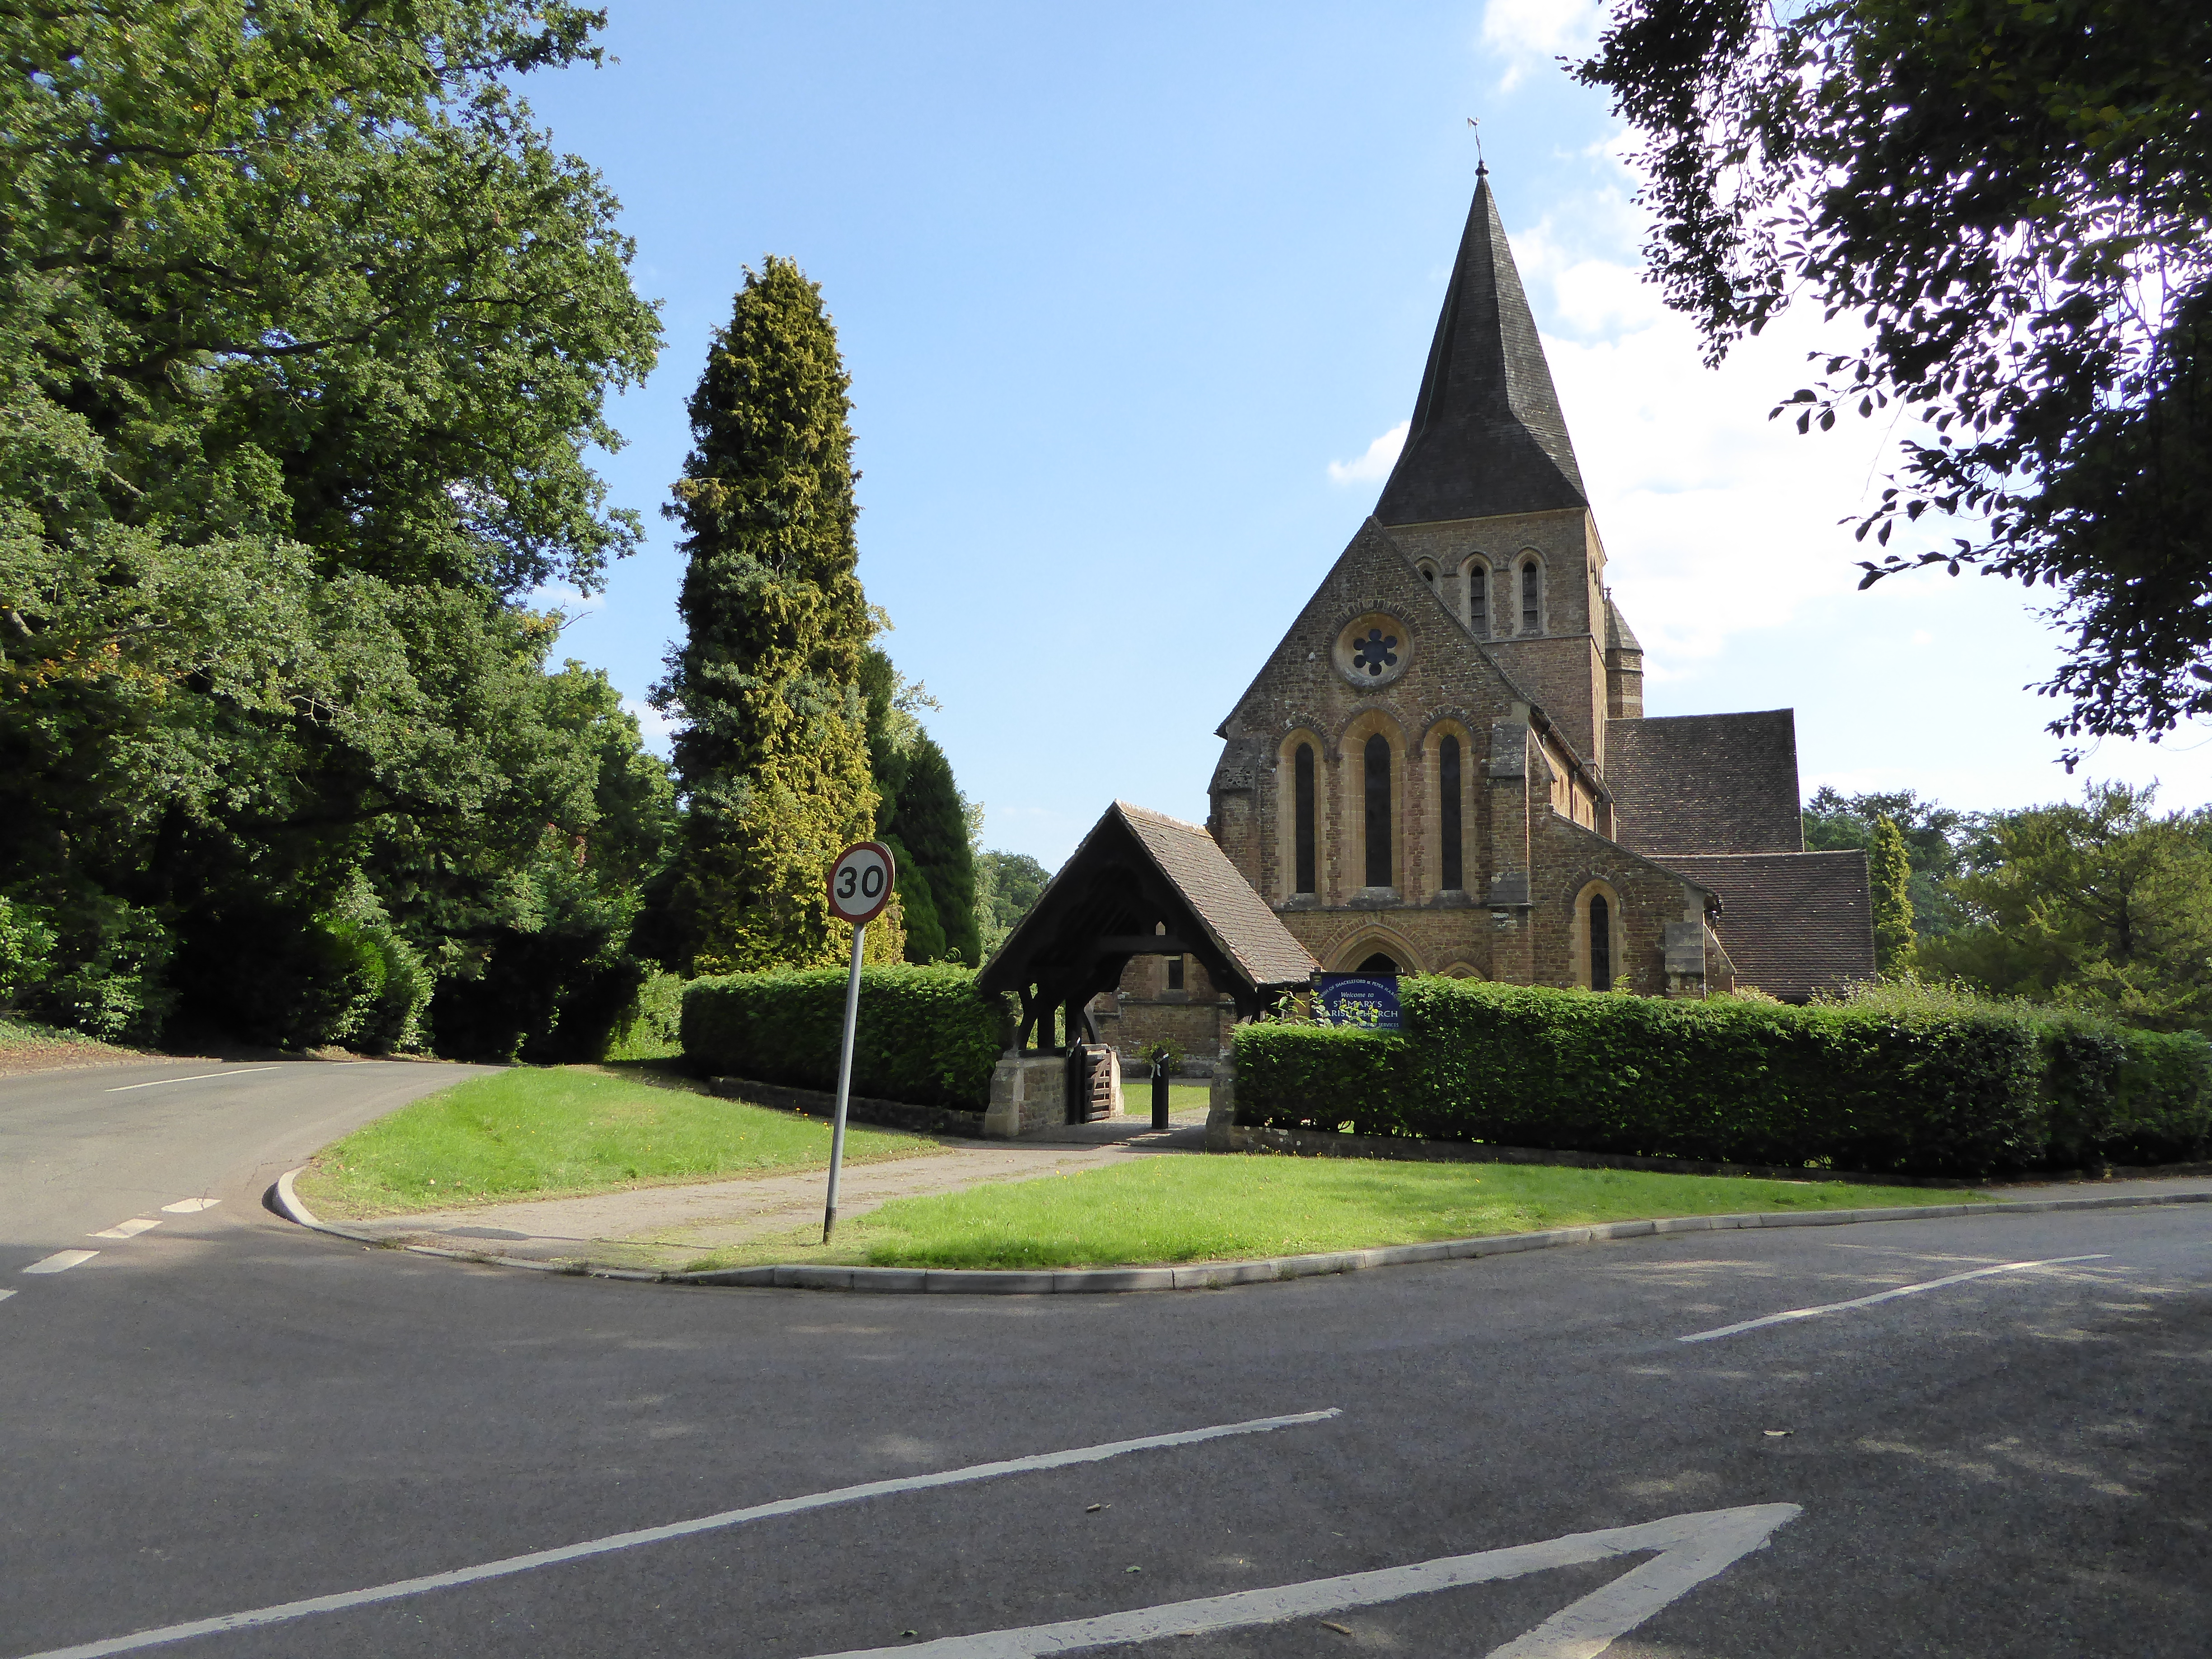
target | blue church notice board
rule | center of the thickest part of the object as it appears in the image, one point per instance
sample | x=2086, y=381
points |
x=1369, y=1000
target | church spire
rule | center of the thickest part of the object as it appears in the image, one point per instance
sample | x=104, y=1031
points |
x=1487, y=436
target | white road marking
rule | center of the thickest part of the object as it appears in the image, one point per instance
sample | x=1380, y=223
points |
x=197, y=1077
x=5, y=1295
x=129, y=1229
x=61, y=1261
x=1691, y=1549
x=1882, y=1296
x=623, y=1541
x=188, y=1206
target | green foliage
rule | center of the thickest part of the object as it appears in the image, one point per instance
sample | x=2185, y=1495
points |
x=2097, y=905
x=2011, y=199
x=305, y=333
x=343, y=976
x=925, y=1035
x=650, y=1028
x=772, y=755
x=26, y=950
x=109, y=977
x=1903, y=1078
x=1006, y=885
x=930, y=823
x=1166, y=1055
x=1889, y=877
x=309, y=271
x=1836, y=823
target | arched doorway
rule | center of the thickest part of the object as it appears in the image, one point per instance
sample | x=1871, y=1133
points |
x=1381, y=963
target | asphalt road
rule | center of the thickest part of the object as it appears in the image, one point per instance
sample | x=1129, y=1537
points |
x=226, y=1414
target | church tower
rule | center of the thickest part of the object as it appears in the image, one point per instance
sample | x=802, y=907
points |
x=1488, y=499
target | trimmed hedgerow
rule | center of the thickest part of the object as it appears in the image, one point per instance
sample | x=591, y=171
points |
x=925, y=1035
x=1927, y=1086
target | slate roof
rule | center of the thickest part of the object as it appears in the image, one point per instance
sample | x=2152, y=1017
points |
x=1487, y=436
x=1793, y=923
x=1136, y=869
x=1705, y=783
x=1248, y=931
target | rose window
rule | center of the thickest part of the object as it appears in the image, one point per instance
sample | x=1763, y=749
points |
x=1376, y=653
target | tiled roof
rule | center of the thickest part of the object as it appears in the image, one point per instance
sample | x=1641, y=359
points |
x=1248, y=931
x=1793, y=923
x=1705, y=783
x=1137, y=872
x=1487, y=436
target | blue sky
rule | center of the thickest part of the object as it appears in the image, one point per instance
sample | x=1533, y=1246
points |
x=1133, y=302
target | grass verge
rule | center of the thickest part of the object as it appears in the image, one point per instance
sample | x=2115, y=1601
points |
x=1224, y=1209
x=564, y=1131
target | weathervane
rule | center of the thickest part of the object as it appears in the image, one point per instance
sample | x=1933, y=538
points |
x=1481, y=167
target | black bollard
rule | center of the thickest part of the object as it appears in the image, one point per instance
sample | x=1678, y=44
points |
x=1160, y=1095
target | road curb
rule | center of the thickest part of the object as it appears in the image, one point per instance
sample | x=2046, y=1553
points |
x=1217, y=1275
x=284, y=1199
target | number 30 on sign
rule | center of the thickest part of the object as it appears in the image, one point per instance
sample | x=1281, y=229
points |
x=861, y=882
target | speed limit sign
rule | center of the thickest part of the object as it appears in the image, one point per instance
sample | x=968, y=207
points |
x=861, y=882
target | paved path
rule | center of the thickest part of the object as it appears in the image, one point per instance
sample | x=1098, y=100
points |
x=674, y=1226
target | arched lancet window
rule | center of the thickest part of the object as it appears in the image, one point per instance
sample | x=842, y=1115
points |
x=1448, y=829
x=1429, y=575
x=1477, y=599
x=1532, y=596
x=1378, y=811
x=1601, y=943
x=1302, y=810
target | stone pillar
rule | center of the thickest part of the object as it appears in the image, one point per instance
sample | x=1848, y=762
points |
x=1220, y=1105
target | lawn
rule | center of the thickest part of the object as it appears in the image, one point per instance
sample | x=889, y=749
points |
x=1203, y=1208
x=1137, y=1097
x=560, y=1131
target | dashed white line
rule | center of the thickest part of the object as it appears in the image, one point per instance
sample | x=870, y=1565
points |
x=5, y=1295
x=197, y=1077
x=61, y=1261
x=188, y=1206
x=623, y=1541
x=129, y=1229
x=1882, y=1296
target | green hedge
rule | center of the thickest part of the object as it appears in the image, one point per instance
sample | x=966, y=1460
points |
x=1945, y=1087
x=926, y=1035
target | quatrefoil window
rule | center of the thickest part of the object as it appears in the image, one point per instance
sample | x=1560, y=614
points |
x=1375, y=653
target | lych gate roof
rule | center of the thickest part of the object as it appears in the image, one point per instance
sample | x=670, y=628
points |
x=1793, y=923
x=1705, y=783
x=1487, y=436
x=1238, y=918
x=1135, y=872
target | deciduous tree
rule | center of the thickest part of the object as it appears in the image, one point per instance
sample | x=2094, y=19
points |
x=2009, y=202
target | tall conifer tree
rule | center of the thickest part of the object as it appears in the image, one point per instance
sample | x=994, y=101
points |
x=1889, y=873
x=773, y=752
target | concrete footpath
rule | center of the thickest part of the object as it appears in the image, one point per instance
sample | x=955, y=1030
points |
x=668, y=1228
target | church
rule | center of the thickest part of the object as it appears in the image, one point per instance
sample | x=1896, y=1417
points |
x=1445, y=767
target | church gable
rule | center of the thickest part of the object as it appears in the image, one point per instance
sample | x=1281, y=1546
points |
x=1373, y=634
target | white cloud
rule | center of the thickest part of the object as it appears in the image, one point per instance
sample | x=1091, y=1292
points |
x=1524, y=31
x=570, y=602
x=1375, y=465
x=655, y=727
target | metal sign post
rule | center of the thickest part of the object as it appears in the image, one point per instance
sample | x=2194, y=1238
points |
x=859, y=887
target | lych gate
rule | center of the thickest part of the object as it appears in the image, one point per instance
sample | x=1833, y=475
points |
x=1141, y=883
